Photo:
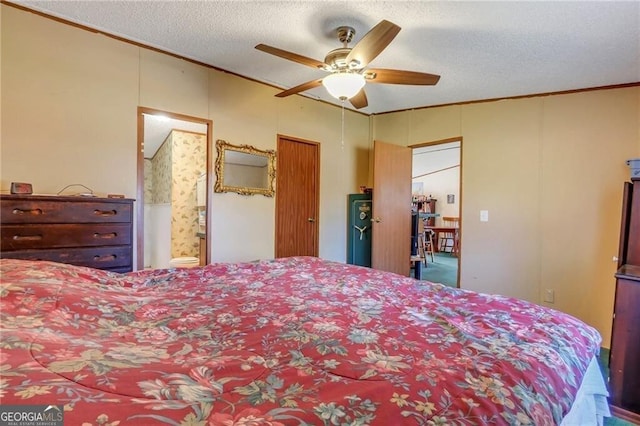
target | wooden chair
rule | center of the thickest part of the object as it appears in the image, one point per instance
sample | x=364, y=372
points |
x=449, y=240
x=428, y=245
x=425, y=241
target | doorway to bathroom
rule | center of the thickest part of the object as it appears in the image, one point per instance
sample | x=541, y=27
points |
x=173, y=185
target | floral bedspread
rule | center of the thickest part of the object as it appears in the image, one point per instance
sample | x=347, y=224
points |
x=279, y=342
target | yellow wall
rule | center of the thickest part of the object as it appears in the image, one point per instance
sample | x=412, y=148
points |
x=69, y=102
x=69, y=105
x=549, y=170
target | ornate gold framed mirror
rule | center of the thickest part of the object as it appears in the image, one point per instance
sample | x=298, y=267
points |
x=244, y=169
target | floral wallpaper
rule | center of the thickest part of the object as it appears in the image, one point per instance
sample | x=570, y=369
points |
x=171, y=177
x=189, y=155
x=148, y=181
x=162, y=169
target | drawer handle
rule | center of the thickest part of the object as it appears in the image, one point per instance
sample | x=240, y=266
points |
x=106, y=236
x=105, y=212
x=105, y=258
x=27, y=237
x=33, y=212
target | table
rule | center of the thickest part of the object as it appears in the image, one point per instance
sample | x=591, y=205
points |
x=424, y=215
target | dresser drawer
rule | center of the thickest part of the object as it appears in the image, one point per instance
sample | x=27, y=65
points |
x=36, y=236
x=115, y=258
x=43, y=210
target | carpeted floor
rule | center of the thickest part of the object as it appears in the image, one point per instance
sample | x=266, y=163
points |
x=444, y=269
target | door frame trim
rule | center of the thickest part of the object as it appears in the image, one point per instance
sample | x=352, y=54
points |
x=139, y=219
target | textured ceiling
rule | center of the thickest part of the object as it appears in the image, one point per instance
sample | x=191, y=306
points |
x=157, y=128
x=482, y=50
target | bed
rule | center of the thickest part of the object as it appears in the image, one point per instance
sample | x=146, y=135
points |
x=287, y=341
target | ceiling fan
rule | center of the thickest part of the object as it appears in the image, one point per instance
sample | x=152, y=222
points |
x=347, y=65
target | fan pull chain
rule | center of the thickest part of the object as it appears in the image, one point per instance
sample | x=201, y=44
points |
x=342, y=135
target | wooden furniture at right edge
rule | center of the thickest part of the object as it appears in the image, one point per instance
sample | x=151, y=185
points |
x=624, y=363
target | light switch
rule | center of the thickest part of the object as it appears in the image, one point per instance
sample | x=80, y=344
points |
x=549, y=295
x=484, y=215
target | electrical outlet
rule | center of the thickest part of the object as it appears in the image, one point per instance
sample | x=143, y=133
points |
x=549, y=295
x=484, y=215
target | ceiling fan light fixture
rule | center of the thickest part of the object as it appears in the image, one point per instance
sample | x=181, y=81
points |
x=343, y=85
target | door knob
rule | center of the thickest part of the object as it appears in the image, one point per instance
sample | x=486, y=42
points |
x=310, y=219
x=376, y=220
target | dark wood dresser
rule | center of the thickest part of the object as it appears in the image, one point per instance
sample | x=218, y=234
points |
x=624, y=360
x=83, y=231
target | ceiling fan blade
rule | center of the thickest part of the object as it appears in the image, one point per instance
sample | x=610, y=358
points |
x=300, y=88
x=359, y=100
x=373, y=42
x=381, y=75
x=291, y=56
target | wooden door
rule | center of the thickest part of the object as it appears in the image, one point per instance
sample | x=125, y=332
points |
x=297, y=197
x=391, y=226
